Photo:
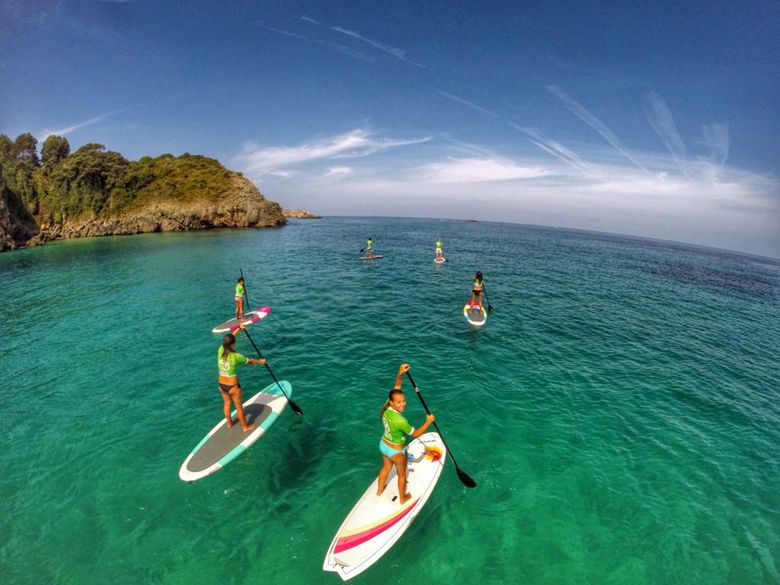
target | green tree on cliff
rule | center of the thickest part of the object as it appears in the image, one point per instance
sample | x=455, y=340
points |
x=55, y=148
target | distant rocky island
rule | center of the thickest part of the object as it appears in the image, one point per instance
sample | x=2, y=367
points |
x=300, y=214
x=98, y=192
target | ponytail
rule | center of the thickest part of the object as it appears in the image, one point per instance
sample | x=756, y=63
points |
x=386, y=405
x=227, y=341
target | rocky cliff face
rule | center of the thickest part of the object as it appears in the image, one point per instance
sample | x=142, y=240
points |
x=240, y=206
x=16, y=225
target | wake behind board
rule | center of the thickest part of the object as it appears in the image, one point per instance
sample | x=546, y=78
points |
x=249, y=317
x=477, y=316
x=371, y=257
x=222, y=444
x=377, y=522
x=439, y=260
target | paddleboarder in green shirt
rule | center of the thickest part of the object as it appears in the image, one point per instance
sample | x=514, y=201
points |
x=228, y=360
x=391, y=445
x=439, y=252
x=369, y=246
x=240, y=298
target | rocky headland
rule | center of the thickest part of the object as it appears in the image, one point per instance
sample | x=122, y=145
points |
x=300, y=214
x=94, y=192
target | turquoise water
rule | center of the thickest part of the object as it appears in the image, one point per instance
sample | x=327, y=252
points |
x=620, y=410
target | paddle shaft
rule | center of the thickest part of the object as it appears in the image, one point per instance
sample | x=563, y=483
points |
x=293, y=405
x=484, y=290
x=461, y=473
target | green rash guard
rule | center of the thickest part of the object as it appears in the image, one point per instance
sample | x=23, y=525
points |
x=239, y=290
x=396, y=427
x=438, y=244
x=227, y=367
x=369, y=244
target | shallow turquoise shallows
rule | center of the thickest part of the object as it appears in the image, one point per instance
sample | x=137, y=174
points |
x=620, y=409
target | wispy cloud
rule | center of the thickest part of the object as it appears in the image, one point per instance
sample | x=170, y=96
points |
x=308, y=19
x=340, y=48
x=44, y=133
x=257, y=160
x=338, y=171
x=555, y=148
x=467, y=103
x=478, y=170
x=716, y=139
x=660, y=117
x=583, y=114
x=389, y=49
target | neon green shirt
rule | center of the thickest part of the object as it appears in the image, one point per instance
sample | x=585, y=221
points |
x=438, y=244
x=239, y=290
x=370, y=244
x=396, y=427
x=227, y=367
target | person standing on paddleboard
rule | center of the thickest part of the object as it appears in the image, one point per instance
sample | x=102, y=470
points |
x=476, y=291
x=391, y=445
x=240, y=298
x=230, y=389
x=369, y=246
x=439, y=251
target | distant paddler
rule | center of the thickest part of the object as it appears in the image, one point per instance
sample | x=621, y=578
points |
x=439, y=252
x=228, y=360
x=369, y=246
x=476, y=291
x=240, y=298
x=393, y=441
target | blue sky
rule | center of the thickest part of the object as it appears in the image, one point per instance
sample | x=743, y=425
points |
x=641, y=118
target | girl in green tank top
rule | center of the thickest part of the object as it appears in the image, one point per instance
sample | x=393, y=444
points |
x=240, y=298
x=391, y=445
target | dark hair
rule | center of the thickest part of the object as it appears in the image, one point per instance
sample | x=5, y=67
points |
x=479, y=276
x=227, y=341
x=386, y=405
x=240, y=278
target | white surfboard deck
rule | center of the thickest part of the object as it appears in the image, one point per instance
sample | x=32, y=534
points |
x=222, y=444
x=377, y=522
x=476, y=316
x=249, y=317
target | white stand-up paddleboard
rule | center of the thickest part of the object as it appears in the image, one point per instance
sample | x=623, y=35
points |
x=249, y=317
x=377, y=522
x=477, y=316
x=224, y=444
x=439, y=260
x=371, y=257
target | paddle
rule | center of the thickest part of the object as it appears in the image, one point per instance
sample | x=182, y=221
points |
x=296, y=409
x=464, y=477
x=484, y=290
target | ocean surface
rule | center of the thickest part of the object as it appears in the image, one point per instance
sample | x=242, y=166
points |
x=620, y=410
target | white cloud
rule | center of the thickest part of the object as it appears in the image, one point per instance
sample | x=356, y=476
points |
x=467, y=103
x=256, y=160
x=478, y=170
x=389, y=49
x=555, y=148
x=716, y=139
x=660, y=117
x=579, y=110
x=339, y=48
x=338, y=171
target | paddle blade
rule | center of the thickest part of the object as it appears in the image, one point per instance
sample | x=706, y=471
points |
x=465, y=478
x=297, y=409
